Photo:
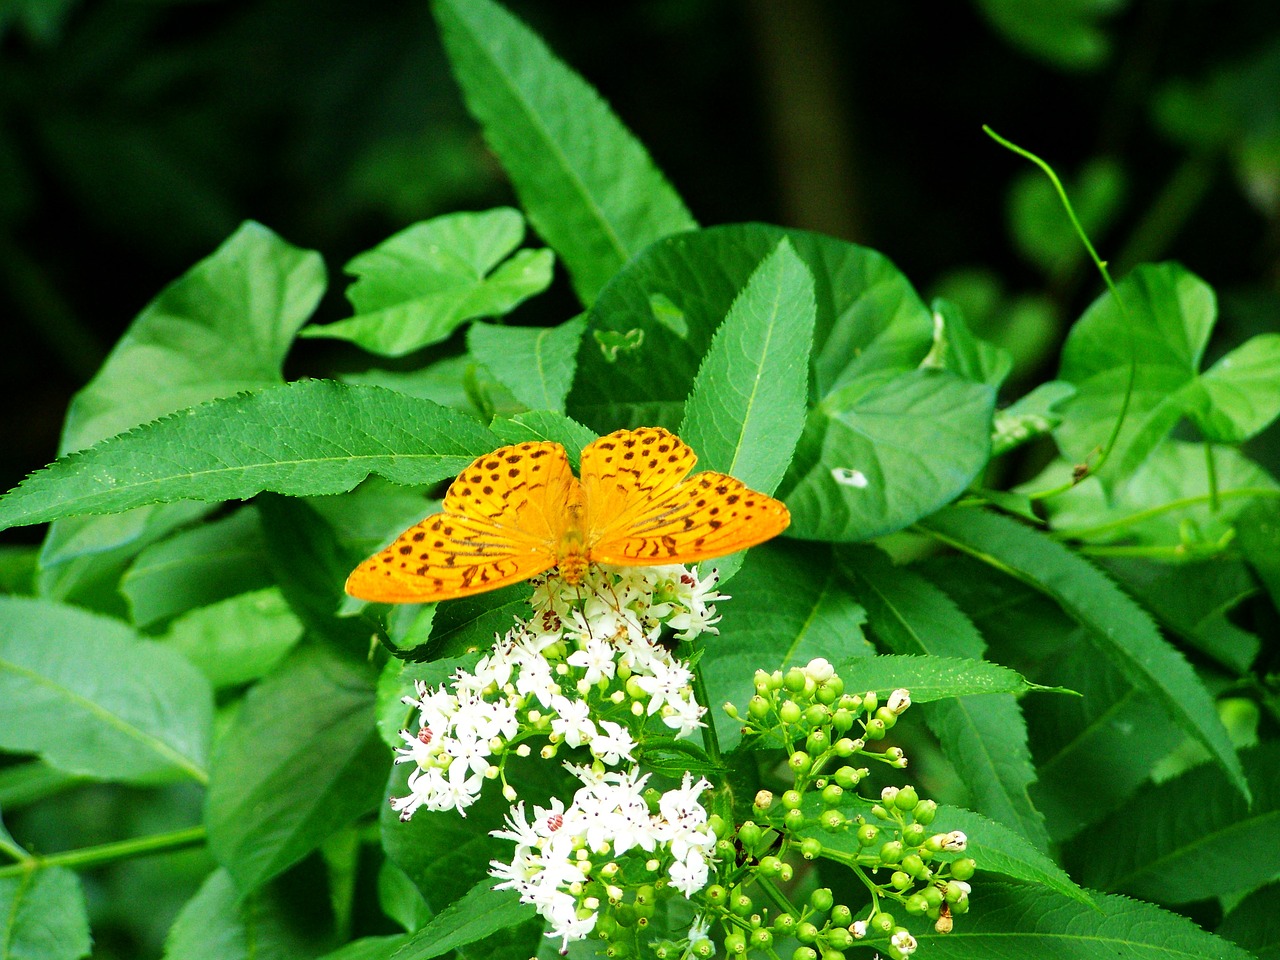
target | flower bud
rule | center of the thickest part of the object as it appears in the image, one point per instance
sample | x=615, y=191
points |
x=963, y=869
x=763, y=801
x=791, y=800
x=899, y=700
x=810, y=848
x=790, y=711
x=820, y=670
x=859, y=929
x=906, y=798
x=821, y=899
x=757, y=708
x=794, y=680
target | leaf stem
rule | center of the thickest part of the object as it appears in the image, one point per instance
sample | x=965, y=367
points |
x=108, y=852
x=1075, y=533
x=1211, y=472
x=1106, y=276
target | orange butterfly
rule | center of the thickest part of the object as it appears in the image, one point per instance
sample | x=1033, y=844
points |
x=520, y=511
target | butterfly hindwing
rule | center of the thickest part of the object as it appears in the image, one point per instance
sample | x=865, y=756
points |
x=502, y=521
x=624, y=473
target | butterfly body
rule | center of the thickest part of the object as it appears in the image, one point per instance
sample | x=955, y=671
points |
x=519, y=511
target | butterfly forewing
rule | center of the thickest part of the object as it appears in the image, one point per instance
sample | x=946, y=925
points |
x=625, y=473
x=707, y=515
x=502, y=521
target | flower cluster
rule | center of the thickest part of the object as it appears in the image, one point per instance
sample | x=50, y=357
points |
x=585, y=673
x=557, y=854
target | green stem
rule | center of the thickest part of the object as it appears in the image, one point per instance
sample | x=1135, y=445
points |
x=1074, y=533
x=108, y=852
x=1106, y=276
x=12, y=850
x=709, y=738
x=1211, y=473
x=778, y=898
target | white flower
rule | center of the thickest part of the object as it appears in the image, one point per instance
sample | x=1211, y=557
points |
x=668, y=682
x=903, y=942
x=572, y=721
x=596, y=657
x=613, y=744
x=954, y=841
x=689, y=875
x=820, y=670
x=683, y=716
x=899, y=700
x=699, y=930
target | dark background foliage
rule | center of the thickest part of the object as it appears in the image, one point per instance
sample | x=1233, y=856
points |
x=134, y=136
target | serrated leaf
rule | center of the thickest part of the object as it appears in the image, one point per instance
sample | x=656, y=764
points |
x=1186, y=845
x=238, y=639
x=301, y=760
x=369, y=948
x=535, y=363
x=931, y=678
x=1026, y=922
x=196, y=567
x=43, y=916
x=790, y=606
x=586, y=184
x=1254, y=923
x=1093, y=751
x=869, y=320
x=1117, y=627
x=747, y=407
x=877, y=455
x=542, y=425
x=93, y=699
x=223, y=327
x=997, y=849
x=419, y=286
x=472, y=917
x=985, y=737
x=222, y=923
x=302, y=439
x=1170, y=315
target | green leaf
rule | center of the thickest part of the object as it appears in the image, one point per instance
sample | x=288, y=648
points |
x=196, y=567
x=879, y=454
x=397, y=681
x=1166, y=502
x=955, y=348
x=587, y=185
x=301, y=439
x=238, y=639
x=476, y=915
x=1187, y=843
x=931, y=678
x=997, y=849
x=1066, y=33
x=1254, y=923
x=535, y=363
x=1259, y=538
x=1093, y=751
x=1023, y=922
x=300, y=761
x=92, y=699
x=43, y=916
x=1029, y=417
x=1116, y=626
x=790, y=605
x=748, y=402
x=1170, y=315
x=416, y=288
x=221, y=923
x=985, y=737
x=870, y=323
x=223, y=327
x=400, y=899
x=469, y=623
x=369, y=948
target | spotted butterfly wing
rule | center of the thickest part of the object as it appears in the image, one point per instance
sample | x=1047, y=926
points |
x=501, y=522
x=643, y=508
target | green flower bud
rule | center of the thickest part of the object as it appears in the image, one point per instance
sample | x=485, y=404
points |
x=805, y=953
x=821, y=899
x=794, y=820
x=817, y=741
x=740, y=903
x=791, y=800
x=785, y=875
x=832, y=819
x=867, y=834
x=924, y=812
x=785, y=923
x=842, y=720
x=917, y=905
x=806, y=932
x=887, y=717
x=790, y=711
x=749, y=834
x=913, y=835
x=875, y=729
x=810, y=848
x=735, y=943
x=717, y=824
x=769, y=867
x=761, y=682
x=891, y=852
x=817, y=715
x=832, y=793
x=956, y=891
x=799, y=762
x=870, y=701
x=914, y=866
x=900, y=880
x=932, y=896
x=725, y=849
x=625, y=914
x=851, y=702
x=839, y=937
x=775, y=681
x=963, y=869
x=883, y=923
x=758, y=708
x=841, y=916
x=906, y=798
x=843, y=747
x=832, y=954
x=826, y=694
x=794, y=679
x=847, y=777
x=606, y=926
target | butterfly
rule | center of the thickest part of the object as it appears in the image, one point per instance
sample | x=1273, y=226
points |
x=519, y=511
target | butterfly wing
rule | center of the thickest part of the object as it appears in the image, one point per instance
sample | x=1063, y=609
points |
x=501, y=522
x=644, y=509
